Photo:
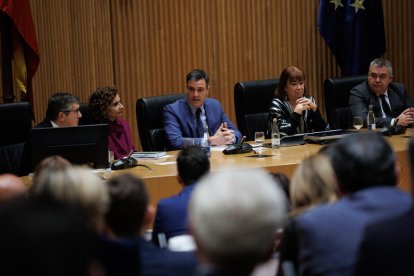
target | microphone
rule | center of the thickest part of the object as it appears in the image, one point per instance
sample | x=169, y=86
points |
x=241, y=140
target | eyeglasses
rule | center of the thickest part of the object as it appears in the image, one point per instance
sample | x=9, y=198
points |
x=75, y=110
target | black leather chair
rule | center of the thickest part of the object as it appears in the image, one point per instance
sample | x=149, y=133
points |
x=86, y=114
x=16, y=122
x=252, y=100
x=149, y=120
x=336, y=91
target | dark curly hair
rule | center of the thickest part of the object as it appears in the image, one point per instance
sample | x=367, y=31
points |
x=100, y=101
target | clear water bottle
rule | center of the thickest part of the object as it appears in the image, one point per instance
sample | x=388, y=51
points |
x=205, y=143
x=275, y=134
x=370, y=119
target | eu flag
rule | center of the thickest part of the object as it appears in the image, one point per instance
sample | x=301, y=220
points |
x=354, y=31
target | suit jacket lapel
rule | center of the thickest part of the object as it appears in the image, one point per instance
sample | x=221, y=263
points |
x=189, y=117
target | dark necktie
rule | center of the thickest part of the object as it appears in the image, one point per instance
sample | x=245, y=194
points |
x=385, y=107
x=200, y=127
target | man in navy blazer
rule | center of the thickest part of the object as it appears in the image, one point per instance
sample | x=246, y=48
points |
x=369, y=92
x=330, y=235
x=171, y=215
x=180, y=118
x=127, y=218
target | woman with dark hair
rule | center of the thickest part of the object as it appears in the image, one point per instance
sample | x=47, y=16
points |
x=106, y=107
x=295, y=111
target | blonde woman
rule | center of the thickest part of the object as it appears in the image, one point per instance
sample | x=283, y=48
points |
x=314, y=182
x=56, y=180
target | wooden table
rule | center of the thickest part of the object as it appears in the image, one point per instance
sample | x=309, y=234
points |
x=162, y=179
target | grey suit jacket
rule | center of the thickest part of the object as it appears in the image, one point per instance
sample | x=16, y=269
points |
x=361, y=97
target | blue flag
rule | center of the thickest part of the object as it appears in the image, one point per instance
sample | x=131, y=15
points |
x=354, y=31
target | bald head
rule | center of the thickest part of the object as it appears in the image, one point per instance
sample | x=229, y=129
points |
x=10, y=187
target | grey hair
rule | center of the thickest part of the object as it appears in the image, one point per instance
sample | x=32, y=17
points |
x=381, y=62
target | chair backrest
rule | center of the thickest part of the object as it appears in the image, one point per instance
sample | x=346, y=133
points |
x=15, y=122
x=252, y=100
x=149, y=112
x=336, y=91
x=86, y=115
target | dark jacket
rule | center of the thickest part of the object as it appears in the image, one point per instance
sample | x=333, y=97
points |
x=289, y=122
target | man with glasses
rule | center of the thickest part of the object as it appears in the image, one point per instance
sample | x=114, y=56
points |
x=62, y=111
x=189, y=118
x=390, y=101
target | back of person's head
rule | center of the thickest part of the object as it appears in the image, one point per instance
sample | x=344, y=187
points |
x=100, y=101
x=192, y=164
x=60, y=102
x=75, y=186
x=197, y=74
x=51, y=163
x=283, y=181
x=289, y=74
x=11, y=186
x=128, y=205
x=44, y=238
x=362, y=161
x=313, y=182
x=234, y=215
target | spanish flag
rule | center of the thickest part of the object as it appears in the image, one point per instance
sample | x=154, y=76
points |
x=23, y=43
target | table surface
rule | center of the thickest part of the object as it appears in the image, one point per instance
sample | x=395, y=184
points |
x=162, y=182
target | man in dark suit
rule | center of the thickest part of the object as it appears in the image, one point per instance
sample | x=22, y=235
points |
x=391, y=104
x=189, y=118
x=62, y=111
x=171, y=216
x=127, y=218
x=330, y=235
x=388, y=245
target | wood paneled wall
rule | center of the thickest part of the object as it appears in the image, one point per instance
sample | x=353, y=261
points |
x=146, y=47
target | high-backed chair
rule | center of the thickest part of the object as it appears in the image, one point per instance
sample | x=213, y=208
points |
x=252, y=100
x=336, y=92
x=15, y=122
x=149, y=120
x=86, y=114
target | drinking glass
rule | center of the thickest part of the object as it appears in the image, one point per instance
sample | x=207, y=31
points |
x=259, y=138
x=358, y=123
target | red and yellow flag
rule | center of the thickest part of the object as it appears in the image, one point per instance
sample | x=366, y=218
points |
x=24, y=43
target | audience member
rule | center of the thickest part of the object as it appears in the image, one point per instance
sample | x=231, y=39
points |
x=44, y=238
x=171, y=215
x=390, y=101
x=296, y=112
x=330, y=235
x=387, y=245
x=127, y=219
x=188, y=118
x=106, y=107
x=62, y=111
x=56, y=180
x=11, y=186
x=313, y=183
x=284, y=182
x=234, y=216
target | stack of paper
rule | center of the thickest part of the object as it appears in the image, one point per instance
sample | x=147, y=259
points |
x=149, y=154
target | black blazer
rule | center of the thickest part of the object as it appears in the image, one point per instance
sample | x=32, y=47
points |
x=361, y=97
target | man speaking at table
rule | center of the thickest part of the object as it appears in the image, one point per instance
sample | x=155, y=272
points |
x=189, y=118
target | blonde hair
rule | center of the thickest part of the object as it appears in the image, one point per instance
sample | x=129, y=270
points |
x=75, y=186
x=313, y=182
